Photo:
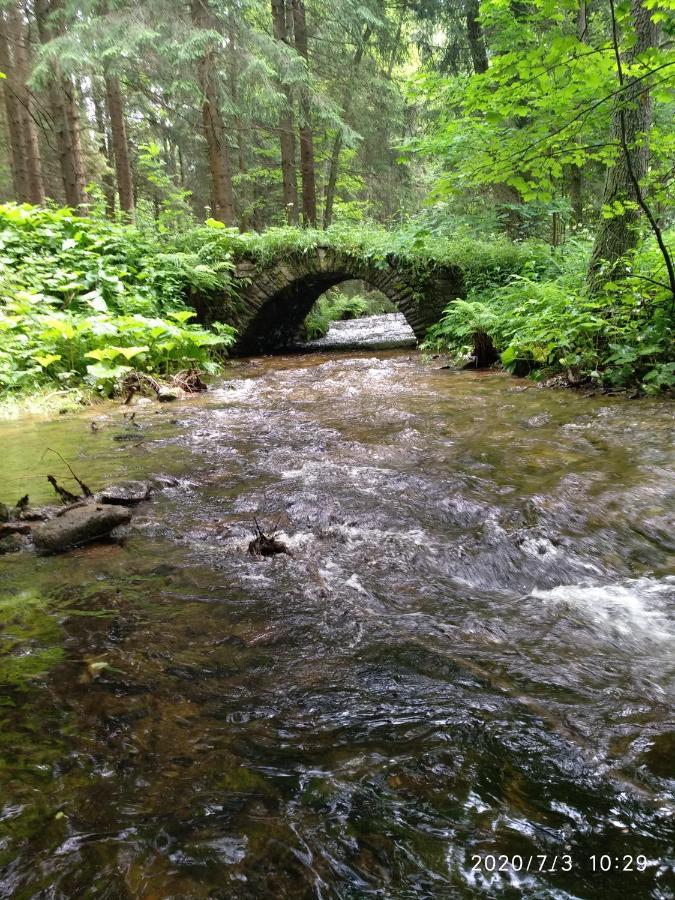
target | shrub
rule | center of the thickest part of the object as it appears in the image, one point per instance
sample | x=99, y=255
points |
x=87, y=300
x=546, y=321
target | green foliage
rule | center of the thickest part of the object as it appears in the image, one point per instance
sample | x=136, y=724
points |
x=87, y=300
x=548, y=323
x=170, y=204
x=542, y=111
x=421, y=248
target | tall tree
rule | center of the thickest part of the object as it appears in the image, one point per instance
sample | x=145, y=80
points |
x=120, y=145
x=336, y=149
x=105, y=147
x=575, y=177
x=307, y=170
x=212, y=118
x=13, y=113
x=474, y=34
x=19, y=38
x=64, y=103
x=281, y=31
x=631, y=126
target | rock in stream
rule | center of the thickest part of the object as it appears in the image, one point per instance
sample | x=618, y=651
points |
x=79, y=525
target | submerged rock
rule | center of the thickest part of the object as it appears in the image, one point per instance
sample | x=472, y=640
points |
x=12, y=542
x=79, y=525
x=125, y=492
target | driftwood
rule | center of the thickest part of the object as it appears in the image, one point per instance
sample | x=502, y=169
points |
x=65, y=495
x=189, y=380
x=136, y=382
x=83, y=487
x=266, y=545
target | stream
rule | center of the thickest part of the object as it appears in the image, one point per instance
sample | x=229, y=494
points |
x=461, y=684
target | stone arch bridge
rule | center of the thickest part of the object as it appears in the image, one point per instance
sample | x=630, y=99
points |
x=274, y=299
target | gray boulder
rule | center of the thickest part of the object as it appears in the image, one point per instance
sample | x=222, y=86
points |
x=79, y=525
x=166, y=394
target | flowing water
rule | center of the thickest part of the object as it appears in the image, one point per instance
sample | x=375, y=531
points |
x=460, y=684
x=383, y=332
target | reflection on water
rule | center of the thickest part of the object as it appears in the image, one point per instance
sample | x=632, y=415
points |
x=470, y=652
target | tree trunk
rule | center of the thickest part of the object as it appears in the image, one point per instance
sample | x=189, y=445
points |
x=105, y=147
x=631, y=125
x=120, y=144
x=20, y=41
x=337, y=142
x=243, y=193
x=65, y=114
x=575, y=180
x=509, y=199
x=307, y=169
x=214, y=127
x=474, y=33
x=10, y=88
x=575, y=189
x=72, y=105
x=286, y=127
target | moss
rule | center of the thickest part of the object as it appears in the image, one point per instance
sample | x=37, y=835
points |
x=31, y=641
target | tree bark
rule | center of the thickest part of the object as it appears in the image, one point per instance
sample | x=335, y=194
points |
x=575, y=178
x=65, y=113
x=474, y=33
x=243, y=192
x=20, y=41
x=396, y=43
x=307, y=168
x=337, y=142
x=286, y=126
x=105, y=147
x=10, y=89
x=214, y=127
x=575, y=190
x=631, y=125
x=120, y=145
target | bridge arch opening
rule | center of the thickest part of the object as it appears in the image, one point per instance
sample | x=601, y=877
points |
x=353, y=299
x=277, y=324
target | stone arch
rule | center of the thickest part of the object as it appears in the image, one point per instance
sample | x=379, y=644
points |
x=274, y=300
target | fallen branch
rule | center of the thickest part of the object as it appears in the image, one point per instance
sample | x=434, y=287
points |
x=135, y=382
x=65, y=495
x=83, y=487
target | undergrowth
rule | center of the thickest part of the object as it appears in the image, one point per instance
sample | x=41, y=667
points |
x=544, y=321
x=84, y=300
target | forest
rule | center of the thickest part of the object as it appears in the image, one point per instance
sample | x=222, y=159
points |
x=144, y=145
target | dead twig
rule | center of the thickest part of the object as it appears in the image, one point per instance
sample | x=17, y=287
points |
x=266, y=545
x=83, y=487
x=135, y=382
x=189, y=380
x=64, y=493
